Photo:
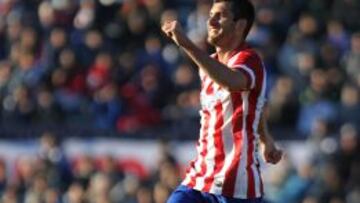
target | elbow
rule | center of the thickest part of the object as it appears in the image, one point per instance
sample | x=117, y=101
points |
x=236, y=86
x=238, y=82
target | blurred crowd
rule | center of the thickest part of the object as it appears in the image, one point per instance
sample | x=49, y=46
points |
x=106, y=65
x=100, y=64
x=49, y=176
x=324, y=169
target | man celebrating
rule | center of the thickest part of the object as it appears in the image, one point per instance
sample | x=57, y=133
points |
x=227, y=168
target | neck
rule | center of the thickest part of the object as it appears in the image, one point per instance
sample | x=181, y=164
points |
x=224, y=53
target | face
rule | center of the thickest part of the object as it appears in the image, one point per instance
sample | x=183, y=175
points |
x=222, y=29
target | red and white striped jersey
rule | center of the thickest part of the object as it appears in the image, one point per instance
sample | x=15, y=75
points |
x=227, y=162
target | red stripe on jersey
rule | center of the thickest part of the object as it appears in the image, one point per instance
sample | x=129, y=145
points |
x=253, y=100
x=250, y=151
x=203, y=79
x=203, y=153
x=231, y=173
x=219, y=147
x=191, y=165
x=250, y=173
x=210, y=88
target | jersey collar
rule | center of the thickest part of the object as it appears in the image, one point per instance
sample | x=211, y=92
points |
x=241, y=47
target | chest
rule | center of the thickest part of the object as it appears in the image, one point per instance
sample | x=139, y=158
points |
x=212, y=94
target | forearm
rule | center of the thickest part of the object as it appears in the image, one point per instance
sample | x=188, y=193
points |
x=265, y=136
x=220, y=73
x=271, y=153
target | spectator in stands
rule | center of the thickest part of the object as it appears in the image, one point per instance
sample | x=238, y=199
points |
x=75, y=194
x=107, y=107
x=48, y=111
x=352, y=58
x=103, y=65
x=346, y=158
x=315, y=102
x=83, y=170
x=3, y=176
x=55, y=166
x=282, y=100
x=57, y=40
x=349, y=105
x=88, y=48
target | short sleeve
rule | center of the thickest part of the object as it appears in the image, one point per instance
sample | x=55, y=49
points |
x=250, y=65
x=249, y=74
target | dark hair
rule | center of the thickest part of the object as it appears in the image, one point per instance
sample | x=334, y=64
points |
x=242, y=9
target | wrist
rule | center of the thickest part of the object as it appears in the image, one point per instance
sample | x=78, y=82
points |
x=186, y=44
x=267, y=140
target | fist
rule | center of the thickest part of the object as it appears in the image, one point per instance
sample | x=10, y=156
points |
x=174, y=30
x=169, y=27
x=272, y=154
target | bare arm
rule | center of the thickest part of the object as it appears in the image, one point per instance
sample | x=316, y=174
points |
x=271, y=153
x=220, y=73
x=264, y=130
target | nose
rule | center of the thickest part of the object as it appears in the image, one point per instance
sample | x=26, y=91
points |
x=212, y=21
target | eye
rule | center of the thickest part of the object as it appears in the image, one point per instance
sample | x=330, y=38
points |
x=224, y=15
x=211, y=14
x=214, y=15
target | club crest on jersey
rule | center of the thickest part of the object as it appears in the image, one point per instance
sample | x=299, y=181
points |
x=218, y=183
x=209, y=101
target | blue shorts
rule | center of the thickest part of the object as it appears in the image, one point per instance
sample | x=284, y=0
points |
x=184, y=194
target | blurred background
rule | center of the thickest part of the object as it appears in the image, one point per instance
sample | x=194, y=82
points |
x=97, y=106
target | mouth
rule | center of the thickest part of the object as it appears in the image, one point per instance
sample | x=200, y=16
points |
x=213, y=30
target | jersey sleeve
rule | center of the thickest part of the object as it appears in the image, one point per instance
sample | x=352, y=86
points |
x=250, y=65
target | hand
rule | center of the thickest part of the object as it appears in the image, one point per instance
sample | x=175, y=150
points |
x=174, y=30
x=271, y=153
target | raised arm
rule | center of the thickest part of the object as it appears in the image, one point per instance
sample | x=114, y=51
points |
x=226, y=77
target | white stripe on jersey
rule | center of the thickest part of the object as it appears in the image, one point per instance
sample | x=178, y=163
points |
x=197, y=165
x=228, y=141
x=211, y=149
x=241, y=187
x=256, y=179
x=259, y=106
x=251, y=73
x=233, y=59
x=227, y=131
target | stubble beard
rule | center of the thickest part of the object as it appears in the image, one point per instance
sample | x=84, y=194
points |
x=214, y=40
x=211, y=41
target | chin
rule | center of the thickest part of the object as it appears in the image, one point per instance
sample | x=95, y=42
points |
x=213, y=41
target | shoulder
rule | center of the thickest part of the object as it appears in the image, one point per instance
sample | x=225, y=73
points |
x=249, y=54
x=246, y=56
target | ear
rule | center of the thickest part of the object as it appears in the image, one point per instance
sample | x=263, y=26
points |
x=240, y=26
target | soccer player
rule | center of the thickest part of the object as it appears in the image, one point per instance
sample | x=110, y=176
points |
x=227, y=167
